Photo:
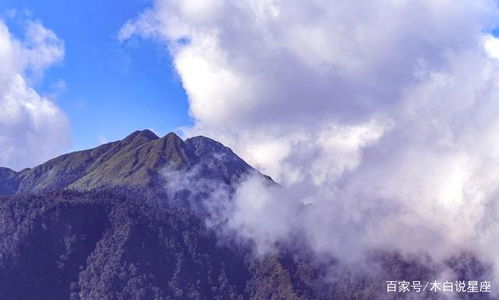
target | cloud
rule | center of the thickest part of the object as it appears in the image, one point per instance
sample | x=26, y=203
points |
x=378, y=118
x=491, y=45
x=32, y=127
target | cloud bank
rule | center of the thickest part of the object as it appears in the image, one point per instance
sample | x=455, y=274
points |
x=32, y=127
x=380, y=119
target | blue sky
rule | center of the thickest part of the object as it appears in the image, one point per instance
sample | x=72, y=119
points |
x=107, y=88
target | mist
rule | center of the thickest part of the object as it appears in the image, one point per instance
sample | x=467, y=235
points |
x=379, y=120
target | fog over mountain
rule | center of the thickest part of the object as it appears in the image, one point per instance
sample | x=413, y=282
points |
x=378, y=119
x=146, y=218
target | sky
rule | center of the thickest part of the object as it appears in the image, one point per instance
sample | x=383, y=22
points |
x=379, y=119
x=106, y=88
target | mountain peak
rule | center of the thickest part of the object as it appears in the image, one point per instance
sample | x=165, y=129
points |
x=136, y=160
x=142, y=136
x=172, y=135
x=172, y=138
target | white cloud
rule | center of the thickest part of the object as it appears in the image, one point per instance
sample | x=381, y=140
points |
x=491, y=46
x=32, y=127
x=381, y=116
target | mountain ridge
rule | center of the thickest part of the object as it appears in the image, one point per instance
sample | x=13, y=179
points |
x=136, y=160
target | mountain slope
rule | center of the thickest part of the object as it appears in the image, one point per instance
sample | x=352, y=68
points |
x=122, y=244
x=137, y=160
x=9, y=181
x=106, y=245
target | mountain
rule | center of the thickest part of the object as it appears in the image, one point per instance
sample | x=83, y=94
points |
x=98, y=224
x=9, y=181
x=136, y=161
